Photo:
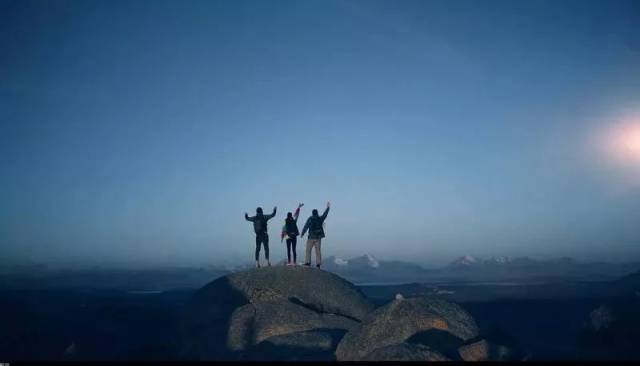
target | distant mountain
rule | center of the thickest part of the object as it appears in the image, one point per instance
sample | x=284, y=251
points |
x=366, y=261
x=368, y=268
x=469, y=268
x=499, y=260
x=464, y=262
x=469, y=261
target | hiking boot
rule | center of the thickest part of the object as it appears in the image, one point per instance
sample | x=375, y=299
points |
x=268, y=264
x=318, y=265
x=257, y=265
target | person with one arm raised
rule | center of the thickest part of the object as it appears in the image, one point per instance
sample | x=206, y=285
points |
x=316, y=232
x=262, y=235
x=290, y=232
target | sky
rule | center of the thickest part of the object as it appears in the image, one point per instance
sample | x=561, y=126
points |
x=138, y=133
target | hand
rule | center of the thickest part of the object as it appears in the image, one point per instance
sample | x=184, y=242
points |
x=328, y=204
x=300, y=205
x=275, y=208
x=246, y=214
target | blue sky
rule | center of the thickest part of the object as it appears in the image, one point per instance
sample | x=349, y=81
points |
x=139, y=132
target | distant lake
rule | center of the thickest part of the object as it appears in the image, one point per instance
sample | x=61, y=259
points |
x=145, y=292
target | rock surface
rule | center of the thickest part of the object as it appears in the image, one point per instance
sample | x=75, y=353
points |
x=252, y=323
x=401, y=319
x=290, y=313
x=321, y=290
x=484, y=351
x=232, y=314
x=314, y=339
x=405, y=352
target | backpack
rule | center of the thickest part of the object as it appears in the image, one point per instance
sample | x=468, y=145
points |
x=259, y=225
x=291, y=227
x=315, y=226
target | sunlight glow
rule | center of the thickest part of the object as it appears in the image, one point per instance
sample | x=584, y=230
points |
x=622, y=142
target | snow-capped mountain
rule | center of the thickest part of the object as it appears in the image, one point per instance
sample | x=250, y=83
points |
x=340, y=261
x=468, y=261
x=373, y=262
x=365, y=261
x=464, y=261
x=368, y=268
x=499, y=260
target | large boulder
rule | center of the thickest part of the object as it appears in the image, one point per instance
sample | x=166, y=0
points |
x=320, y=290
x=430, y=321
x=252, y=323
x=232, y=314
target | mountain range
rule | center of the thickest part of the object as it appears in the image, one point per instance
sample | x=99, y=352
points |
x=369, y=269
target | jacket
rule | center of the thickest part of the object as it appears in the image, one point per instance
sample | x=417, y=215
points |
x=314, y=225
x=260, y=222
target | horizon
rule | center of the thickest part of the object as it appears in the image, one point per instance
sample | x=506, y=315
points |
x=248, y=263
x=138, y=133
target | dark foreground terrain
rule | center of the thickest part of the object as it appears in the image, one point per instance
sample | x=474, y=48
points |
x=571, y=323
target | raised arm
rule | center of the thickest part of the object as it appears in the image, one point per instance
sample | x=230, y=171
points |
x=246, y=217
x=268, y=217
x=306, y=227
x=295, y=214
x=326, y=211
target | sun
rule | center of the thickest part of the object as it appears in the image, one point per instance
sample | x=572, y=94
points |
x=631, y=141
x=622, y=141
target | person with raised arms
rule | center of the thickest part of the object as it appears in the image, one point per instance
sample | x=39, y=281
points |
x=316, y=232
x=262, y=235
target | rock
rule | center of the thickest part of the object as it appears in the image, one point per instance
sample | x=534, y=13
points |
x=322, y=290
x=241, y=310
x=239, y=335
x=312, y=345
x=253, y=323
x=404, y=352
x=399, y=320
x=399, y=297
x=484, y=351
x=313, y=339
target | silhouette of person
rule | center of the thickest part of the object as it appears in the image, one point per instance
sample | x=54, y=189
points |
x=290, y=232
x=316, y=233
x=262, y=236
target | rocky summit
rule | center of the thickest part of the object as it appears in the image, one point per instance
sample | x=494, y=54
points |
x=303, y=313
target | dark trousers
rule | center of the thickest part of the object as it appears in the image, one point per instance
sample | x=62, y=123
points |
x=291, y=244
x=264, y=239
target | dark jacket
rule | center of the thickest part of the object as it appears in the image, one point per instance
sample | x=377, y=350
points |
x=260, y=222
x=314, y=225
x=291, y=227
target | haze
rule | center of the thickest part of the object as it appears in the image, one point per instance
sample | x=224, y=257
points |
x=140, y=132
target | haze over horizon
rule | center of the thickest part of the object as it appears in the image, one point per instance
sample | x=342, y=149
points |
x=140, y=132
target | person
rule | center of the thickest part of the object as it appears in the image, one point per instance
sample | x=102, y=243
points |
x=290, y=232
x=262, y=235
x=316, y=232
